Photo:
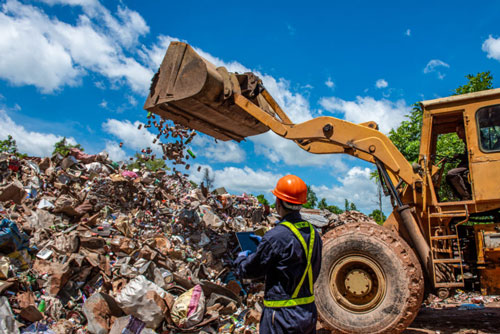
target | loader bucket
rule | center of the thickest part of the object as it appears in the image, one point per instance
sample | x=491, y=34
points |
x=193, y=92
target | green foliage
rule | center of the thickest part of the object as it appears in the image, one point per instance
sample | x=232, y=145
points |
x=9, y=146
x=407, y=136
x=349, y=206
x=449, y=145
x=322, y=205
x=194, y=184
x=262, y=200
x=312, y=199
x=335, y=209
x=378, y=216
x=147, y=162
x=476, y=83
x=62, y=147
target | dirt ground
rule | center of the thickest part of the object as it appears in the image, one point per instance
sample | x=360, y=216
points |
x=451, y=320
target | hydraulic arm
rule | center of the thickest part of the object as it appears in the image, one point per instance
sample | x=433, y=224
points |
x=230, y=106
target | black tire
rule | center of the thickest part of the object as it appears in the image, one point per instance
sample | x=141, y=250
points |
x=364, y=252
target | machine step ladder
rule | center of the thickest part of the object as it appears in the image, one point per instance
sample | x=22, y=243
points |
x=445, y=248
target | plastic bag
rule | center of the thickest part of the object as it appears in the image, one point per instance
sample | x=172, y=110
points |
x=144, y=300
x=189, y=308
x=11, y=239
x=8, y=324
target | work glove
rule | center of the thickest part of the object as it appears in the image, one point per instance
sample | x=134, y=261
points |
x=256, y=238
x=241, y=256
x=244, y=253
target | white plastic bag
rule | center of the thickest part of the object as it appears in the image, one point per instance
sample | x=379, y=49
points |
x=144, y=300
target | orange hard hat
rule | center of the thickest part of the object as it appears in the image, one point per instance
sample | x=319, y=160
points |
x=292, y=189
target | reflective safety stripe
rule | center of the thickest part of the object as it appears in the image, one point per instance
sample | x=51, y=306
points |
x=294, y=301
x=289, y=302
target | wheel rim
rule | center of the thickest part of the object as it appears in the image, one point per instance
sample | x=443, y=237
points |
x=357, y=283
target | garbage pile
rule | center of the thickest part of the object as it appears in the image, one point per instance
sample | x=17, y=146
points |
x=463, y=300
x=88, y=246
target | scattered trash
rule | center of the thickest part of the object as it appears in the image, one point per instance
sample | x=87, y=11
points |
x=470, y=307
x=89, y=246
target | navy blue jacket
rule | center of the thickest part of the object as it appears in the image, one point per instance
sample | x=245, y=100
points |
x=281, y=259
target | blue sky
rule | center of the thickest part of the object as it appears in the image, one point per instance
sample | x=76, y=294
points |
x=81, y=69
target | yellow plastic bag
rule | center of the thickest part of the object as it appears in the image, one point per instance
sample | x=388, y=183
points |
x=189, y=308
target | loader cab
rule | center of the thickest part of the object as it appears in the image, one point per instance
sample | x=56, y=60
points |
x=478, y=152
x=449, y=158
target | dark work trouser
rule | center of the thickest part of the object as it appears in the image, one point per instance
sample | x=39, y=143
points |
x=289, y=320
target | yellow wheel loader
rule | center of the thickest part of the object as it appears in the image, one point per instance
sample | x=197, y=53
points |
x=373, y=277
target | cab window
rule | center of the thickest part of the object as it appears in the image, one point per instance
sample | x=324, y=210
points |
x=488, y=121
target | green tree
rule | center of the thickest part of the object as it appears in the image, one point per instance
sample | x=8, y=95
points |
x=378, y=216
x=62, y=147
x=262, y=200
x=150, y=163
x=9, y=146
x=312, y=199
x=322, y=205
x=407, y=136
x=349, y=206
x=335, y=209
x=478, y=82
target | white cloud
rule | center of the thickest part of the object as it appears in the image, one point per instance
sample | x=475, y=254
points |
x=386, y=113
x=30, y=142
x=408, y=32
x=492, y=47
x=116, y=153
x=279, y=150
x=381, y=83
x=126, y=28
x=220, y=151
x=238, y=180
x=131, y=100
x=153, y=56
x=72, y=2
x=44, y=63
x=103, y=104
x=329, y=83
x=357, y=187
x=433, y=66
x=130, y=135
x=65, y=52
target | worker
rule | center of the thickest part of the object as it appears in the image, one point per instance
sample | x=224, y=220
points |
x=457, y=177
x=289, y=256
